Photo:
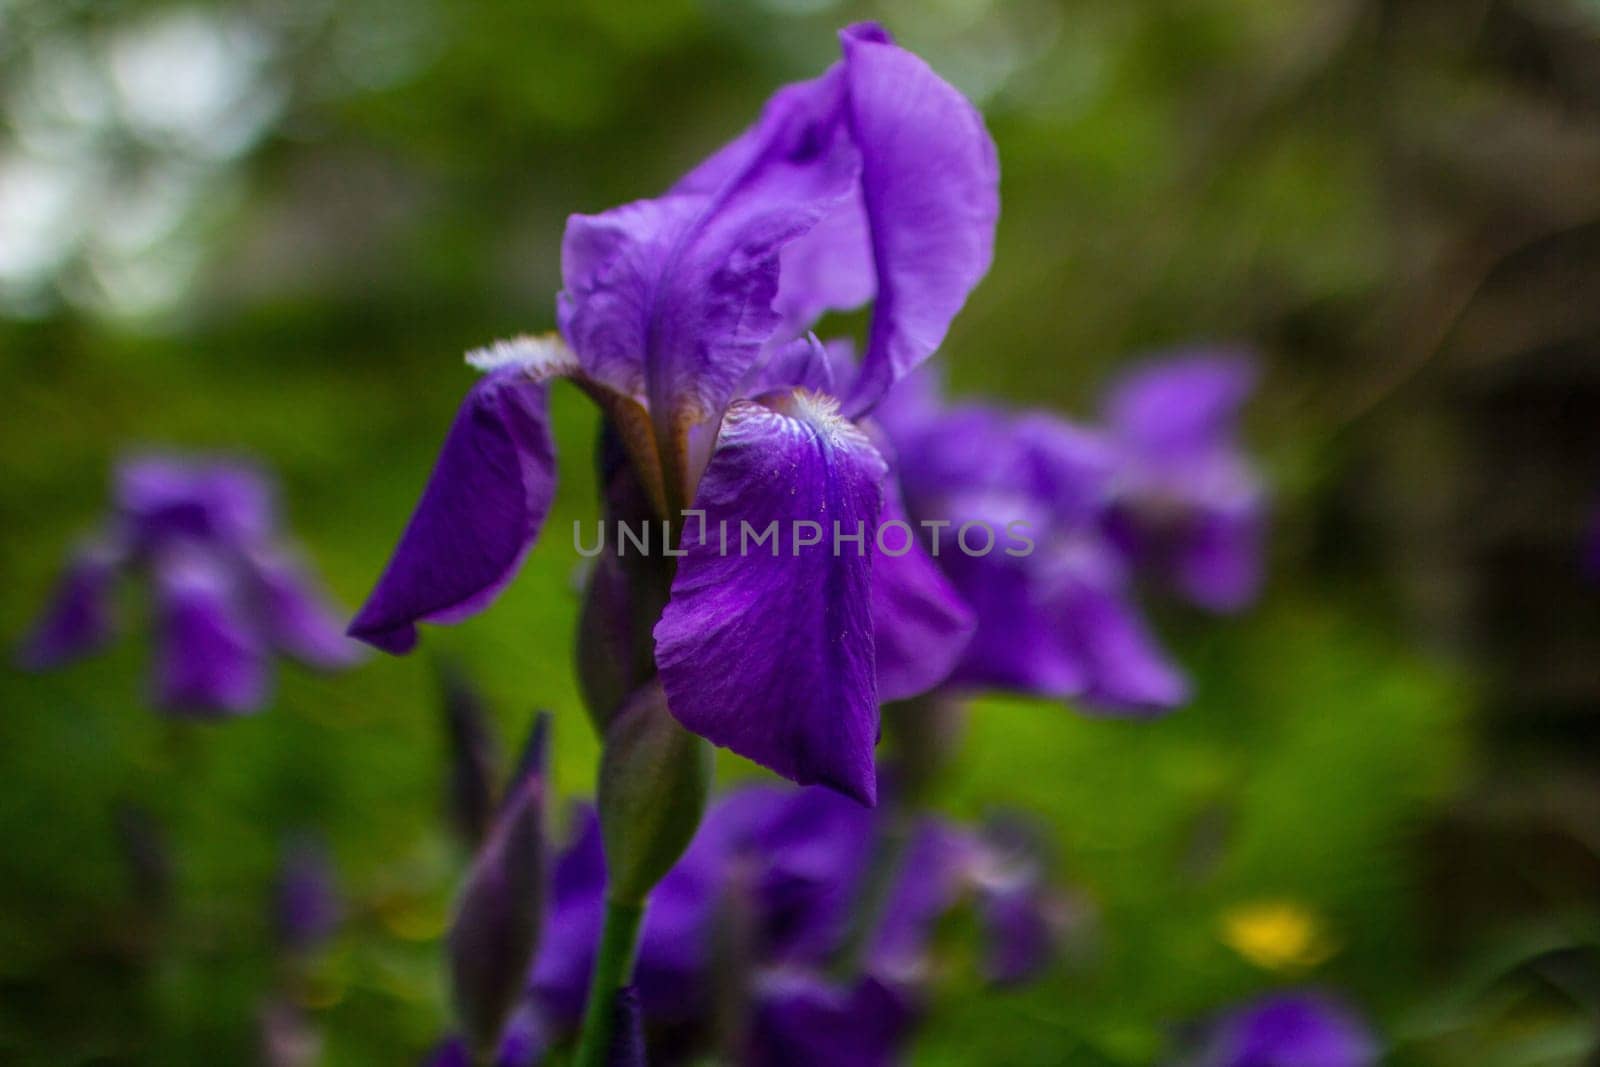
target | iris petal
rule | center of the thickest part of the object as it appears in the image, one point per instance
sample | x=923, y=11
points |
x=480, y=513
x=921, y=625
x=208, y=658
x=77, y=620
x=930, y=188
x=299, y=619
x=769, y=651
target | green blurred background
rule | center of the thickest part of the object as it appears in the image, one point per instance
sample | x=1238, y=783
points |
x=271, y=228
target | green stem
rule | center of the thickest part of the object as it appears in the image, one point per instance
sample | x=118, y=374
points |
x=876, y=891
x=613, y=968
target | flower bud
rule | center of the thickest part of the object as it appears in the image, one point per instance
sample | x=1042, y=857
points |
x=474, y=757
x=654, y=777
x=624, y=593
x=496, y=927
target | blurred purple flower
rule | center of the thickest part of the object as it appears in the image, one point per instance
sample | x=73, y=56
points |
x=793, y=863
x=306, y=905
x=685, y=318
x=1054, y=607
x=1286, y=1030
x=228, y=593
x=1186, y=502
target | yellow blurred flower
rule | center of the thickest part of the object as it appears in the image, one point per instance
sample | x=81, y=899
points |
x=1277, y=935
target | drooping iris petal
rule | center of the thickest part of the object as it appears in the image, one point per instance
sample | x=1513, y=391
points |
x=1018, y=644
x=299, y=619
x=920, y=623
x=930, y=189
x=769, y=652
x=480, y=513
x=1289, y=1030
x=209, y=659
x=801, y=1020
x=1125, y=670
x=77, y=619
x=672, y=298
x=496, y=927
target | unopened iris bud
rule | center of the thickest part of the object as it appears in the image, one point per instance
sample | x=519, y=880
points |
x=654, y=777
x=495, y=932
x=474, y=757
x=623, y=596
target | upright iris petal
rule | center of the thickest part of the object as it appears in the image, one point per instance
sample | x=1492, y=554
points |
x=769, y=650
x=480, y=513
x=671, y=299
x=160, y=497
x=930, y=180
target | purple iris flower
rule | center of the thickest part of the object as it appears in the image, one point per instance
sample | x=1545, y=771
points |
x=685, y=318
x=1186, y=502
x=1053, y=602
x=229, y=592
x=1300, y=1029
x=769, y=889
